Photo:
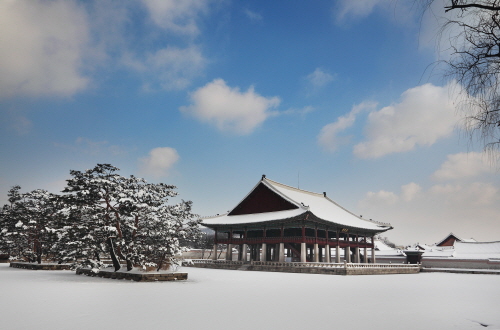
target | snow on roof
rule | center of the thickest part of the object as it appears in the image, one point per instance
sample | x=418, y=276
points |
x=320, y=205
x=323, y=207
x=252, y=218
x=381, y=246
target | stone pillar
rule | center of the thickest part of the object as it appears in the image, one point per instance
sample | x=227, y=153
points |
x=337, y=254
x=347, y=254
x=214, y=256
x=303, y=252
x=328, y=257
x=229, y=252
x=244, y=252
x=356, y=255
x=281, y=253
x=264, y=252
x=316, y=252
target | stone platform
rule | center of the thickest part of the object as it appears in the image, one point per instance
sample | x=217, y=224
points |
x=134, y=276
x=308, y=267
x=42, y=266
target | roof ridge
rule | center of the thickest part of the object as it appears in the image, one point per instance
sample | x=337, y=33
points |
x=293, y=188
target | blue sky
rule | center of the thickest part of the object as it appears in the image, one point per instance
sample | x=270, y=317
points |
x=335, y=96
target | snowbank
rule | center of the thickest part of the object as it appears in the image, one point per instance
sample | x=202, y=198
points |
x=225, y=299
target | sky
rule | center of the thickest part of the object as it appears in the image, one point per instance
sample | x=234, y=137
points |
x=346, y=97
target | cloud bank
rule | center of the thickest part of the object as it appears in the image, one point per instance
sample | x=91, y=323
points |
x=465, y=202
x=42, y=48
x=424, y=115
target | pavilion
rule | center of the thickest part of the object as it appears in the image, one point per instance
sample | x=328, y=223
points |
x=276, y=222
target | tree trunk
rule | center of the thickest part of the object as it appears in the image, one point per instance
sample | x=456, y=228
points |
x=112, y=253
x=129, y=265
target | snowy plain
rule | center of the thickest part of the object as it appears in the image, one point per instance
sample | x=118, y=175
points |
x=227, y=299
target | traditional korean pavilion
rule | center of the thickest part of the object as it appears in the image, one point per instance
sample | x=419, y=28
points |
x=276, y=222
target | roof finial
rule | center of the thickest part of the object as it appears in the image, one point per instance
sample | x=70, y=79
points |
x=263, y=176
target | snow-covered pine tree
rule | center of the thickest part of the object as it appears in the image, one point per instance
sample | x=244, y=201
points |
x=12, y=237
x=28, y=225
x=129, y=215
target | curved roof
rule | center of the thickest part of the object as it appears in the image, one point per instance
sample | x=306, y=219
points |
x=318, y=204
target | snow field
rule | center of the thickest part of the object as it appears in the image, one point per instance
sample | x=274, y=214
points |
x=225, y=299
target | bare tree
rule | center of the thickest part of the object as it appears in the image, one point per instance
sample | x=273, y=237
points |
x=474, y=38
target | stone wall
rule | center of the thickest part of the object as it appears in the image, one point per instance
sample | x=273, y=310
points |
x=34, y=266
x=138, y=277
x=461, y=263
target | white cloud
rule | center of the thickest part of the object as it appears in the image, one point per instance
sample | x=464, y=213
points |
x=178, y=16
x=170, y=68
x=21, y=125
x=356, y=9
x=319, y=78
x=253, y=16
x=464, y=165
x=425, y=114
x=159, y=162
x=229, y=109
x=328, y=137
x=42, y=47
x=381, y=197
x=83, y=145
x=410, y=191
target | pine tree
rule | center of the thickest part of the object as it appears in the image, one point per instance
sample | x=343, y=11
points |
x=127, y=218
x=28, y=223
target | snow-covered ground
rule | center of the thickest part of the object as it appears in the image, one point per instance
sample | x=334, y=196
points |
x=225, y=299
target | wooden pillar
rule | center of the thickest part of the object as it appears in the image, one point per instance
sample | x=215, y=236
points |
x=347, y=254
x=356, y=255
x=337, y=253
x=328, y=257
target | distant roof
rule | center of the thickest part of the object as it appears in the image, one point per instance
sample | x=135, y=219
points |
x=477, y=249
x=303, y=201
x=454, y=237
x=466, y=250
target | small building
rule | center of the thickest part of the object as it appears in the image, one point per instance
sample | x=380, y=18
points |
x=276, y=222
